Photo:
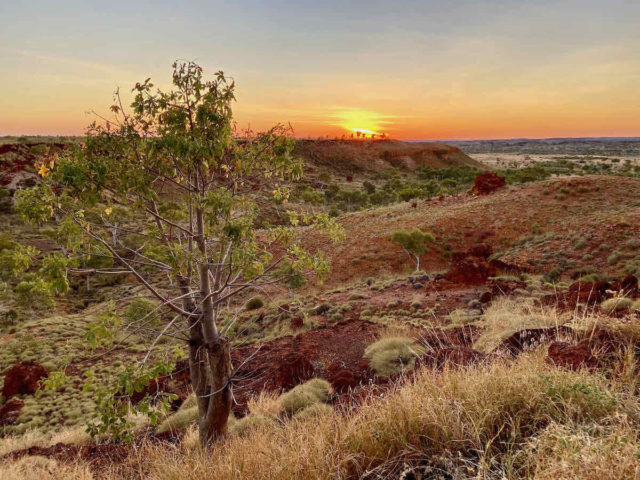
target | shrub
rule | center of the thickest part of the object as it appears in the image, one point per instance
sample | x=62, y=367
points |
x=392, y=355
x=368, y=187
x=313, y=411
x=248, y=424
x=254, y=303
x=181, y=420
x=35, y=294
x=616, y=304
x=321, y=309
x=309, y=393
x=138, y=309
x=614, y=258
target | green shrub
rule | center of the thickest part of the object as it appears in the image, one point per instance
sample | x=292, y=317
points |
x=616, y=304
x=313, y=411
x=140, y=308
x=249, y=423
x=254, y=303
x=34, y=294
x=309, y=393
x=181, y=420
x=392, y=355
x=357, y=296
x=614, y=258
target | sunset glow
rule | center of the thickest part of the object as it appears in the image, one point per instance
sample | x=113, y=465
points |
x=468, y=69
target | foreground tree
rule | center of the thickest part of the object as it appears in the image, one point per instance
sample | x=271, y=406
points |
x=414, y=243
x=166, y=192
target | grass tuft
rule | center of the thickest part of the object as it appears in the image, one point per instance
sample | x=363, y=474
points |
x=392, y=355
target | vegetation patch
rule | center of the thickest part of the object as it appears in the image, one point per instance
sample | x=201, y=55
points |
x=393, y=355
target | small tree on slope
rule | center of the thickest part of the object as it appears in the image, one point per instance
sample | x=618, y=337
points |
x=174, y=164
x=414, y=243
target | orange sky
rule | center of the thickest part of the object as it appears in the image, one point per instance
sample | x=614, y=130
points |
x=415, y=70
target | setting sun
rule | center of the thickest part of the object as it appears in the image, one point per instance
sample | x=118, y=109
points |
x=362, y=122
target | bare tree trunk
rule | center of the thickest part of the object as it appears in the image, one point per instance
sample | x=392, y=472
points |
x=209, y=358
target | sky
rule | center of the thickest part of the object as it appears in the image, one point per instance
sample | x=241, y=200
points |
x=425, y=69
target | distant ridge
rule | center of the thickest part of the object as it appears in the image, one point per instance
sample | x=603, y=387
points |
x=378, y=155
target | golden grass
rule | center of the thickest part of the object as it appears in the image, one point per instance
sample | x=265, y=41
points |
x=393, y=355
x=507, y=420
x=576, y=451
x=484, y=420
x=36, y=438
x=41, y=468
x=507, y=316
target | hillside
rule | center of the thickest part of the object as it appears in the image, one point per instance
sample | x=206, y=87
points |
x=380, y=372
x=348, y=156
x=566, y=224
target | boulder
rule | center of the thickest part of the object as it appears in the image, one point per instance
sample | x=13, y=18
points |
x=486, y=183
x=295, y=368
x=10, y=411
x=486, y=297
x=469, y=270
x=571, y=356
x=627, y=286
x=23, y=378
x=587, y=292
x=343, y=380
x=530, y=338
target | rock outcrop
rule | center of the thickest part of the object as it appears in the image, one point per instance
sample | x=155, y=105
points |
x=23, y=379
x=486, y=183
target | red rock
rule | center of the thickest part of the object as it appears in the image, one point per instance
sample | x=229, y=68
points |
x=294, y=369
x=10, y=411
x=571, y=356
x=587, y=292
x=532, y=337
x=469, y=271
x=297, y=322
x=626, y=286
x=486, y=297
x=482, y=250
x=23, y=378
x=486, y=183
x=178, y=382
x=343, y=380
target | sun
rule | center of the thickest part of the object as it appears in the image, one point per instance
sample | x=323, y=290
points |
x=361, y=122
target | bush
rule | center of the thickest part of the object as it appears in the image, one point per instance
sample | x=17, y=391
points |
x=254, y=303
x=35, y=294
x=140, y=308
x=313, y=411
x=368, y=187
x=181, y=420
x=248, y=424
x=309, y=393
x=392, y=355
x=616, y=304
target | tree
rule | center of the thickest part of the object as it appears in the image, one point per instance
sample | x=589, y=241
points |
x=414, y=243
x=175, y=163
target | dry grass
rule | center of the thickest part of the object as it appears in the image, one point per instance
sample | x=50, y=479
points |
x=41, y=468
x=577, y=451
x=507, y=316
x=393, y=355
x=35, y=438
x=489, y=422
